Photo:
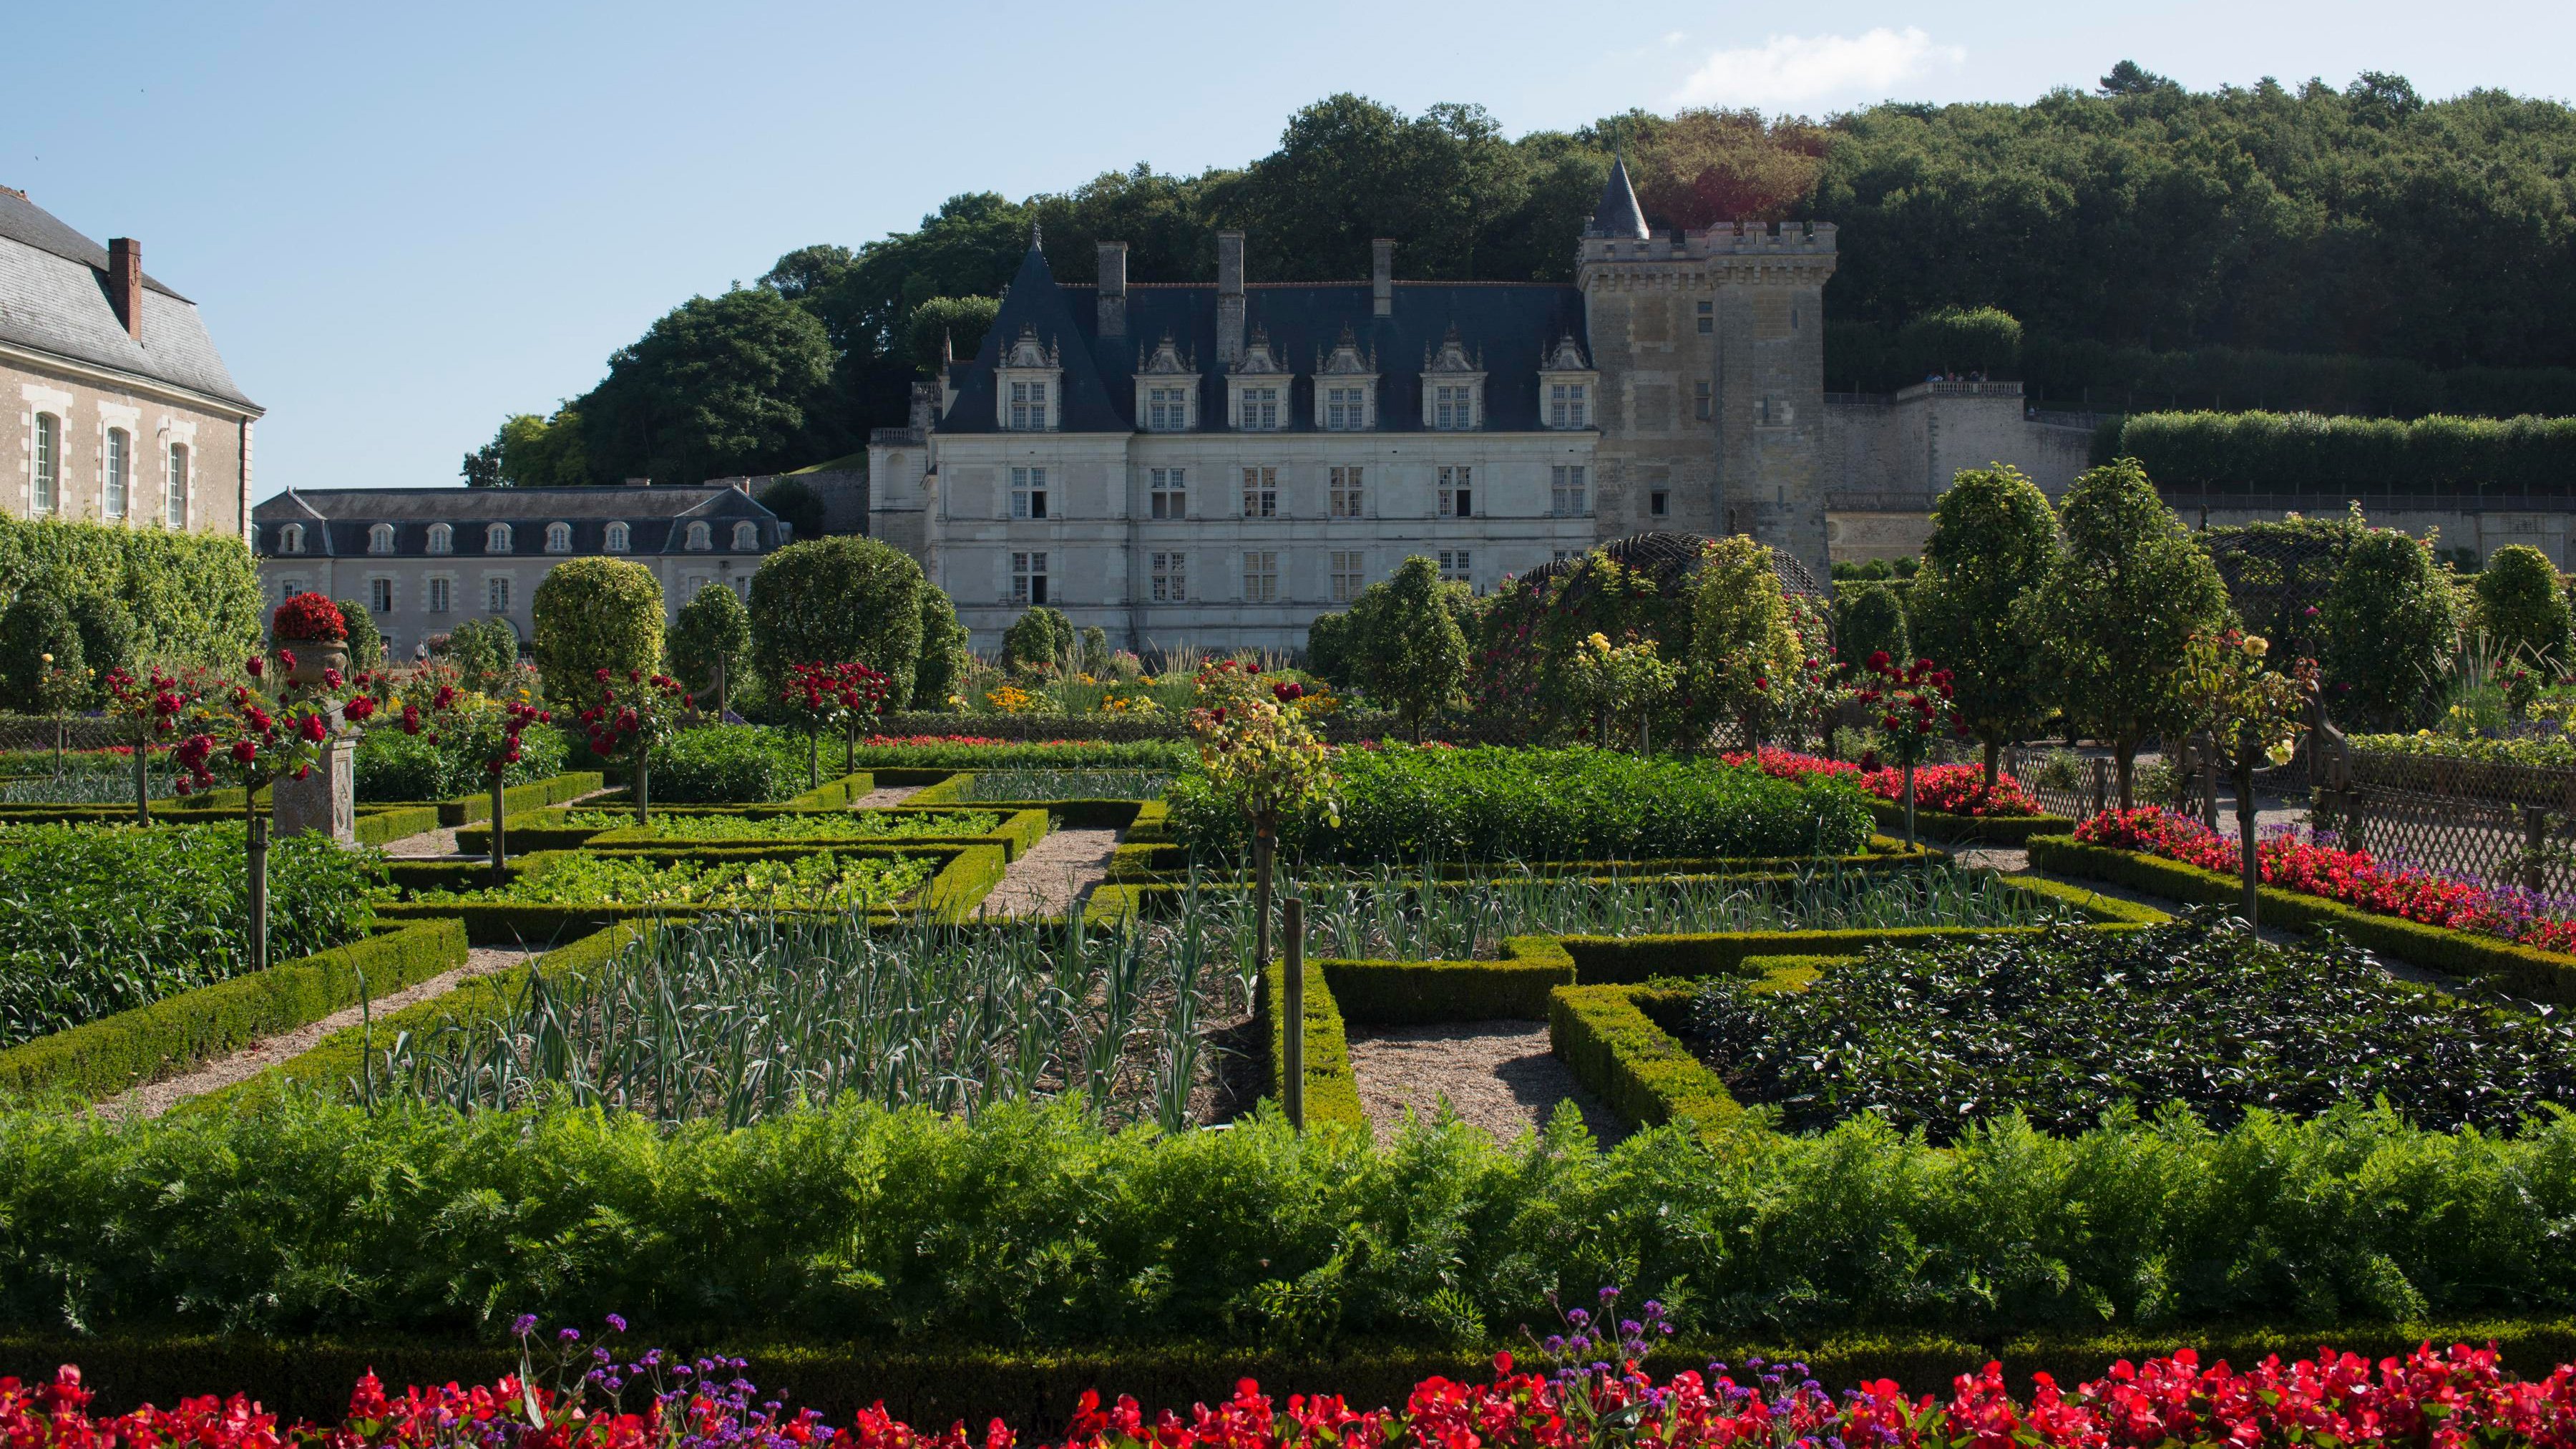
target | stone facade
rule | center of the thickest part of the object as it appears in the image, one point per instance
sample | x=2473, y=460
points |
x=1890, y=457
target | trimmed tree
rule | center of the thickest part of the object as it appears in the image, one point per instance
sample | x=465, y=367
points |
x=1994, y=538
x=1745, y=650
x=1412, y=653
x=940, y=669
x=2391, y=621
x=593, y=614
x=482, y=648
x=40, y=655
x=1038, y=641
x=1870, y=619
x=2522, y=606
x=366, y=641
x=2126, y=593
x=840, y=598
x=709, y=640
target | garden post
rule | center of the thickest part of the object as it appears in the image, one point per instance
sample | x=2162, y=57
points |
x=2535, y=838
x=813, y=758
x=500, y=850
x=1293, y=1089
x=2246, y=746
x=1261, y=896
x=1909, y=805
x=258, y=942
x=850, y=746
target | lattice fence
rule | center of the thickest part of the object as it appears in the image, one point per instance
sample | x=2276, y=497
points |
x=2489, y=840
x=41, y=732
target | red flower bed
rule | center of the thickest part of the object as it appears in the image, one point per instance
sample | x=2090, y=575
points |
x=2350, y=877
x=309, y=617
x=2427, y=1400
x=897, y=740
x=1940, y=789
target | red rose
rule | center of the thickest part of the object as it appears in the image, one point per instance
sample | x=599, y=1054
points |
x=245, y=751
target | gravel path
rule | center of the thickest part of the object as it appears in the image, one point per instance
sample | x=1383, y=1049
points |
x=890, y=795
x=428, y=845
x=158, y=1097
x=1497, y=1075
x=1054, y=876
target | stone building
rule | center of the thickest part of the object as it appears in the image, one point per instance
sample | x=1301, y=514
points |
x=120, y=409
x=423, y=560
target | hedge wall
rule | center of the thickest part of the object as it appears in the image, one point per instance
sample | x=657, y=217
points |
x=196, y=594
x=1332, y=1091
x=1604, y=1036
x=2347, y=457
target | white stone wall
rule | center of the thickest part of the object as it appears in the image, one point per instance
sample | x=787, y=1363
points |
x=218, y=480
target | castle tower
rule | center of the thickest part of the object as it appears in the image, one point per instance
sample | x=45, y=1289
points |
x=1711, y=351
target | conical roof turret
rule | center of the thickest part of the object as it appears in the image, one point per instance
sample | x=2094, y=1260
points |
x=1618, y=215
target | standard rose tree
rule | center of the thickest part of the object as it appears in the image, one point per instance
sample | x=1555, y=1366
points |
x=148, y=713
x=2251, y=712
x=516, y=716
x=821, y=696
x=1914, y=709
x=628, y=719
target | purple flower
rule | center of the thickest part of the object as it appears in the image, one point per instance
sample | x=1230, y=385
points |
x=567, y=1335
x=616, y=1323
x=523, y=1325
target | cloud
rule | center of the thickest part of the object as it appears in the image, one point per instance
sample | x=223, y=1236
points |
x=1792, y=70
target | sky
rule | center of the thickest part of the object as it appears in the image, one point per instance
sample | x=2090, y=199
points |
x=403, y=223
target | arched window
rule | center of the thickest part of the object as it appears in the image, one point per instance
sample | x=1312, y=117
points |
x=49, y=464
x=616, y=541
x=746, y=536
x=290, y=538
x=174, y=502
x=120, y=463
x=442, y=539
x=496, y=539
x=380, y=538
x=701, y=538
x=558, y=538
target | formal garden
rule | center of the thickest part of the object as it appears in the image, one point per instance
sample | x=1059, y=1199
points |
x=1650, y=987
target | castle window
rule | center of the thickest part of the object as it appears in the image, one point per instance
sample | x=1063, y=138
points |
x=1453, y=407
x=1708, y=316
x=380, y=595
x=1349, y=575
x=175, y=505
x=746, y=536
x=496, y=594
x=1261, y=577
x=112, y=498
x=618, y=538
x=496, y=539
x=1347, y=496
x=1028, y=578
x=289, y=588
x=1565, y=405
x=1457, y=492
x=1169, y=574
x=46, y=493
x=1345, y=409
x=380, y=538
x=442, y=539
x=441, y=590
x=700, y=537
x=1260, y=492
x=558, y=538
x=1659, y=503
x=1028, y=493
x=1458, y=566
x=1167, y=409
x=1029, y=406
x=290, y=538
x=1700, y=401
x=1259, y=410
x=1565, y=491
x=1167, y=492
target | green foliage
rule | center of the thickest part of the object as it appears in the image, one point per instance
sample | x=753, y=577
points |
x=2390, y=621
x=366, y=641
x=939, y=675
x=797, y=505
x=194, y=596
x=1869, y=618
x=482, y=647
x=2344, y=457
x=2111, y=618
x=942, y=324
x=1412, y=654
x=711, y=641
x=735, y=384
x=2559, y=751
x=104, y=918
x=728, y=765
x=836, y=825
x=1331, y=649
x=839, y=601
x=391, y=765
x=1038, y=641
x=532, y=452
x=1405, y=805
x=1745, y=652
x=1159, y=755
x=1095, y=651
x=1994, y=538
x=824, y=880
x=40, y=655
x=2522, y=606
x=591, y=614
x=1961, y=340
x=1044, y=784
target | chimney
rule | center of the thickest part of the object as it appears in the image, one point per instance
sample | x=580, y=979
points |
x=1113, y=289
x=1229, y=297
x=1382, y=276
x=639, y=482
x=125, y=283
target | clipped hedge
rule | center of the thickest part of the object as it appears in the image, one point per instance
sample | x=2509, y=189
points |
x=967, y=874
x=101, y=1058
x=535, y=795
x=384, y=827
x=2347, y=457
x=1332, y=1092
x=1412, y=993
x=1970, y=829
x=2516, y=969
x=1604, y=1036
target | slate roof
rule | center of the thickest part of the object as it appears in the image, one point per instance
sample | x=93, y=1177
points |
x=336, y=520
x=53, y=298
x=1511, y=325
x=1618, y=214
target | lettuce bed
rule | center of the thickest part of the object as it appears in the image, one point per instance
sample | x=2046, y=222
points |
x=824, y=880
x=839, y=825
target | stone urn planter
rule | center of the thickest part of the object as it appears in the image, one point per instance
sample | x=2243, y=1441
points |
x=312, y=656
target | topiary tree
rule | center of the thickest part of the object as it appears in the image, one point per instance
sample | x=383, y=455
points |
x=482, y=648
x=107, y=636
x=1412, y=654
x=709, y=641
x=1994, y=538
x=2123, y=597
x=845, y=599
x=939, y=673
x=41, y=666
x=2391, y=622
x=366, y=641
x=1330, y=640
x=1870, y=619
x=593, y=614
x=2522, y=606
x=1961, y=339
x=1095, y=651
x=1038, y=641
x=1744, y=650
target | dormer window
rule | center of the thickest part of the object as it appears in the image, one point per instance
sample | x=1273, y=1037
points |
x=442, y=539
x=1167, y=389
x=290, y=538
x=1257, y=387
x=558, y=538
x=496, y=539
x=1453, y=387
x=380, y=538
x=1257, y=409
x=700, y=538
x=1026, y=385
x=1569, y=386
x=1346, y=388
x=618, y=539
x=746, y=537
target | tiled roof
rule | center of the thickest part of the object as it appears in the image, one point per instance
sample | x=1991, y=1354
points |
x=53, y=298
x=337, y=520
x=1618, y=215
x=1510, y=325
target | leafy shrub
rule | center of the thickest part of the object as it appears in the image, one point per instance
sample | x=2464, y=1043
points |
x=1941, y=789
x=2064, y=1028
x=974, y=752
x=366, y=641
x=593, y=614
x=1025, y=784
x=824, y=880
x=839, y=824
x=2522, y=605
x=728, y=765
x=2390, y=622
x=392, y=765
x=1401, y=803
x=2558, y=750
x=839, y=600
x=104, y=918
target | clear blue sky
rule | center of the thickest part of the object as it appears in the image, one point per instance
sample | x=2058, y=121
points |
x=403, y=222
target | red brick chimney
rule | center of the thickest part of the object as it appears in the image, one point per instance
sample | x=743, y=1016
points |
x=125, y=283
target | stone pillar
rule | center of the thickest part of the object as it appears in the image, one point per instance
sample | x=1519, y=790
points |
x=325, y=801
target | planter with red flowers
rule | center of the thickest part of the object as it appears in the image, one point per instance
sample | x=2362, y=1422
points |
x=311, y=638
x=628, y=719
x=1914, y=709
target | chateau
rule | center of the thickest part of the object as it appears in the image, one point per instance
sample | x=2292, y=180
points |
x=121, y=411
x=1215, y=465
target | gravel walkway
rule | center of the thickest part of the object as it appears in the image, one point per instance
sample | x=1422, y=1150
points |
x=890, y=795
x=1497, y=1075
x=158, y=1097
x=428, y=845
x=1054, y=876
